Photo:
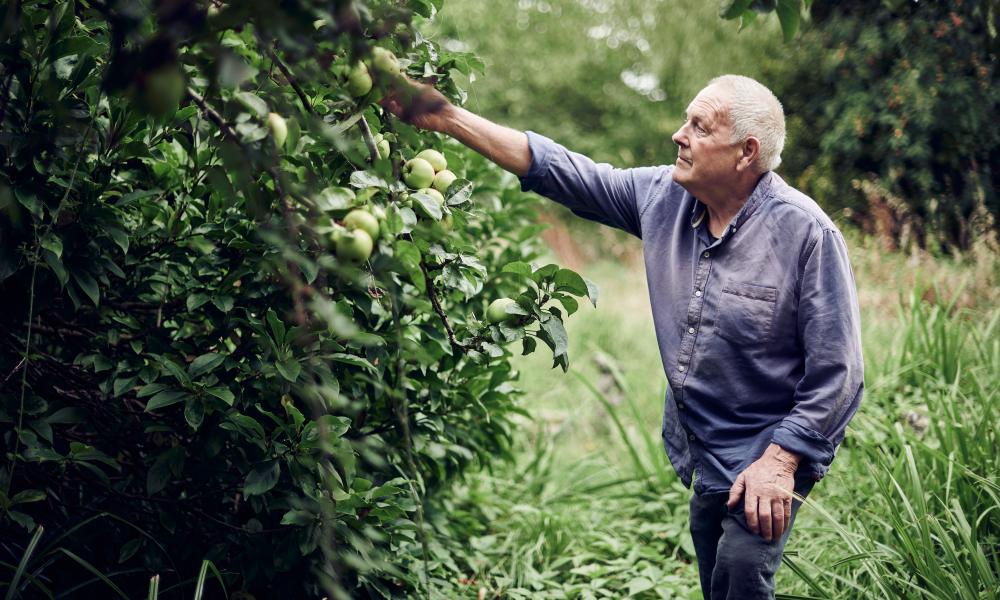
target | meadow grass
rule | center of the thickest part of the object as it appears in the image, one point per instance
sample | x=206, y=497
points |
x=590, y=508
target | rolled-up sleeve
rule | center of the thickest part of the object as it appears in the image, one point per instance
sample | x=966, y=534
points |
x=829, y=327
x=594, y=191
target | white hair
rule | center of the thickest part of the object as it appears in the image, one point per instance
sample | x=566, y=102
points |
x=754, y=111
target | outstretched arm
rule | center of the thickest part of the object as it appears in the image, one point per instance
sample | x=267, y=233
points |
x=595, y=191
x=424, y=107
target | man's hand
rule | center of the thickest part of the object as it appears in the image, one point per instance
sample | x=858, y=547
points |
x=423, y=106
x=416, y=103
x=766, y=487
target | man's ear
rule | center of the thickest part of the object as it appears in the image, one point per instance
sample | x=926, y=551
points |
x=749, y=153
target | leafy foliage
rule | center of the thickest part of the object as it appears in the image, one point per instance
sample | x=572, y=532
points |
x=189, y=373
x=905, y=136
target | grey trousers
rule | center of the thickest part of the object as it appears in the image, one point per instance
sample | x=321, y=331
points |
x=733, y=562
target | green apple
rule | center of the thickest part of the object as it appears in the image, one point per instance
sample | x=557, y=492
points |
x=382, y=146
x=362, y=219
x=442, y=180
x=418, y=173
x=278, y=128
x=162, y=90
x=436, y=159
x=354, y=246
x=359, y=80
x=385, y=62
x=497, y=311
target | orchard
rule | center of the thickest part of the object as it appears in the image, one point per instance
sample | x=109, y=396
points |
x=245, y=329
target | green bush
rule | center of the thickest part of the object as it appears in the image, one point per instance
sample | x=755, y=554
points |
x=892, y=115
x=187, y=370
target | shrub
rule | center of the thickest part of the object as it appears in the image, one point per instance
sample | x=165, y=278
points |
x=188, y=371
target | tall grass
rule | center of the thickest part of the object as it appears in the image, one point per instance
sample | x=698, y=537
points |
x=910, y=509
x=927, y=522
x=37, y=573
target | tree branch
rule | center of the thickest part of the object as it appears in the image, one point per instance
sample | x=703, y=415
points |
x=291, y=79
x=429, y=284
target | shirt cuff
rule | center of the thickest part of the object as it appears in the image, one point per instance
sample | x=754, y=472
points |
x=814, y=448
x=541, y=153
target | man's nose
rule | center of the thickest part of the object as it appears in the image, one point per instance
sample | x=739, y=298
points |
x=679, y=137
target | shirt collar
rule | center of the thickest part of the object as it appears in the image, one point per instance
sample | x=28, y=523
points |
x=760, y=193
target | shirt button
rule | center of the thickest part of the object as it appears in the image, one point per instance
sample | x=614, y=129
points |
x=682, y=368
x=697, y=293
x=706, y=254
x=690, y=329
x=680, y=405
x=691, y=436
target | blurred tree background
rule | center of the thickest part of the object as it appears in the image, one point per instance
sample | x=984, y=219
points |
x=891, y=105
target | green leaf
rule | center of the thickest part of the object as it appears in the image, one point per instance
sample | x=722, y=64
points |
x=152, y=388
x=174, y=369
x=170, y=462
x=592, y=291
x=460, y=192
x=165, y=398
x=277, y=327
x=363, y=179
x=543, y=273
x=570, y=281
x=252, y=102
x=27, y=496
x=52, y=243
x=429, y=205
x=299, y=518
x=789, y=14
x=262, y=478
x=557, y=333
x=223, y=303
x=196, y=300
x=334, y=198
x=639, y=584
x=521, y=268
x=335, y=426
x=223, y=394
x=66, y=416
x=88, y=285
x=568, y=302
x=205, y=363
x=29, y=201
x=119, y=237
x=354, y=360
x=730, y=9
x=194, y=413
x=289, y=369
x=57, y=267
x=408, y=255
x=129, y=549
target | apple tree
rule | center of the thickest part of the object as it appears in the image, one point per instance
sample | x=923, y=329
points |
x=233, y=328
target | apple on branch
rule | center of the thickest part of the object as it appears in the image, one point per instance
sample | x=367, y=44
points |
x=418, y=173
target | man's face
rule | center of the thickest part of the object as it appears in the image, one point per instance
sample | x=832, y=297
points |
x=705, y=157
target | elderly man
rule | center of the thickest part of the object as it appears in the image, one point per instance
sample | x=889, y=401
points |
x=753, y=300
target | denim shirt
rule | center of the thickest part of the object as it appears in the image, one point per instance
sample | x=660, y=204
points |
x=759, y=330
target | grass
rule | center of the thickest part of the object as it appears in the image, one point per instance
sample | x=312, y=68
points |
x=910, y=509
x=590, y=507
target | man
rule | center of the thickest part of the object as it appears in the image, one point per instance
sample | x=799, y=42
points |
x=753, y=300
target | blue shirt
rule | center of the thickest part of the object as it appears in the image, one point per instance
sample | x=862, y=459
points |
x=759, y=330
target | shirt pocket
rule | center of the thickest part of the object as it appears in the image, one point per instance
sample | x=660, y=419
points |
x=746, y=313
